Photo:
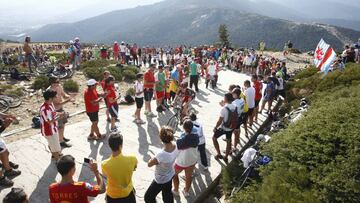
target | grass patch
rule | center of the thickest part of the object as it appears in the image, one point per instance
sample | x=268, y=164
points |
x=71, y=86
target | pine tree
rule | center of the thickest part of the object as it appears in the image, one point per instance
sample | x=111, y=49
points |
x=224, y=36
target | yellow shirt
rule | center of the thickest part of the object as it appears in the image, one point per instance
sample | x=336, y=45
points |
x=119, y=171
x=246, y=107
x=173, y=86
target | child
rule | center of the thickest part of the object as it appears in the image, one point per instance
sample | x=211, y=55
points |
x=201, y=146
x=139, y=98
x=111, y=98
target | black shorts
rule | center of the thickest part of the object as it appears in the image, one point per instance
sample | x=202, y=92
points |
x=244, y=117
x=94, y=116
x=114, y=111
x=219, y=132
x=250, y=111
x=148, y=94
x=139, y=102
x=281, y=93
x=257, y=102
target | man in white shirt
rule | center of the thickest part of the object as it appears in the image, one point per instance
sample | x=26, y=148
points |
x=122, y=52
x=220, y=128
x=239, y=103
x=250, y=99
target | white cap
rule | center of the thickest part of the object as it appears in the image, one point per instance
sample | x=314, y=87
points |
x=91, y=82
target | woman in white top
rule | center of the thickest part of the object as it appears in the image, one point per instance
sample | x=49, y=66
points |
x=164, y=168
x=139, y=98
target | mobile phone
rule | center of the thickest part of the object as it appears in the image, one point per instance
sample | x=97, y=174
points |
x=86, y=160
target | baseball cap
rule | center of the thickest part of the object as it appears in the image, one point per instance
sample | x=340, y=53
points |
x=91, y=82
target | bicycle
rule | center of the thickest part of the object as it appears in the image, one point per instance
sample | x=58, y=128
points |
x=176, y=118
x=4, y=105
x=60, y=71
x=13, y=101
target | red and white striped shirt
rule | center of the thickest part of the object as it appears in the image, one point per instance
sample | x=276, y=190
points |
x=47, y=114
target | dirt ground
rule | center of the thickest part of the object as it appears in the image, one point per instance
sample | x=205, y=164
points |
x=32, y=102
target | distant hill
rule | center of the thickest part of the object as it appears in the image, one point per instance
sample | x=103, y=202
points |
x=195, y=22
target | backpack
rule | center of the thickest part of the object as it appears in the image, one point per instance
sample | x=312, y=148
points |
x=232, y=120
x=35, y=122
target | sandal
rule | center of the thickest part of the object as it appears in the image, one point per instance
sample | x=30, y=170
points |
x=100, y=137
x=219, y=156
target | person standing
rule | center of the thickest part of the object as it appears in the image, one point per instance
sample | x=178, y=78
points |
x=92, y=100
x=112, y=104
x=119, y=169
x=201, y=147
x=67, y=190
x=164, y=168
x=258, y=95
x=187, y=145
x=59, y=101
x=139, y=98
x=222, y=129
x=250, y=100
x=103, y=86
x=78, y=52
x=116, y=50
x=48, y=123
x=29, y=53
x=194, y=75
x=160, y=89
x=239, y=103
x=269, y=94
x=149, y=84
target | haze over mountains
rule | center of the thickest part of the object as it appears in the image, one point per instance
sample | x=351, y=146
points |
x=196, y=22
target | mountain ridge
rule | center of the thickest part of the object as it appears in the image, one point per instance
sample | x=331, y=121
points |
x=190, y=22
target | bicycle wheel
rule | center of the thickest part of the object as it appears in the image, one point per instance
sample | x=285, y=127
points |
x=43, y=69
x=173, y=122
x=4, y=105
x=13, y=100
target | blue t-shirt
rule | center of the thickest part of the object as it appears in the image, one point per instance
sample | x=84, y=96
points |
x=175, y=75
x=270, y=86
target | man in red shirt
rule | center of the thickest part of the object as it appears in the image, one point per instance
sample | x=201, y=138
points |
x=92, y=100
x=149, y=84
x=67, y=190
x=111, y=99
x=48, y=123
x=258, y=89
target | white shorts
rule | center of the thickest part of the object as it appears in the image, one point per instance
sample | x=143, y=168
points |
x=54, y=143
x=2, y=146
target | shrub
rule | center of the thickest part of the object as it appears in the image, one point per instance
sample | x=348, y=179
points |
x=130, y=91
x=41, y=82
x=71, y=86
x=129, y=75
x=132, y=69
x=116, y=72
x=95, y=63
x=94, y=73
x=316, y=159
x=306, y=73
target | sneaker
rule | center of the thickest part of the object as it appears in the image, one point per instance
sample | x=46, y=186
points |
x=151, y=114
x=175, y=193
x=65, y=145
x=140, y=122
x=117, y=120
x=5, y=182
x=66, y=139
x=13, y=165
x=12, y=173
x=113, y=130
x=186, y=194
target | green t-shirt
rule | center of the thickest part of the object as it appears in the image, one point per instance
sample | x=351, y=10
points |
x=160, y=82
x=193, y=69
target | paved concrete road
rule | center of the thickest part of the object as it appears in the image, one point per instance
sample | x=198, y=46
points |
x=38, y=171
